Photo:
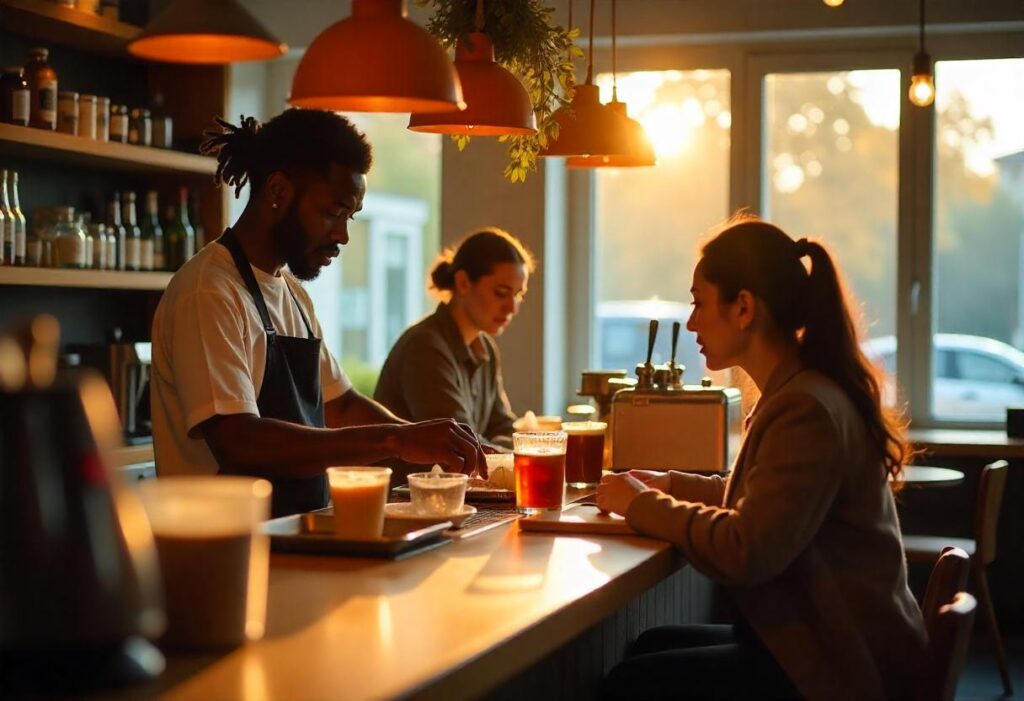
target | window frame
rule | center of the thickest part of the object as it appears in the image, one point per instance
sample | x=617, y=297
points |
x=748, y=58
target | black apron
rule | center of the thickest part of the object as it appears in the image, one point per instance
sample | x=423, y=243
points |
x=291, y=389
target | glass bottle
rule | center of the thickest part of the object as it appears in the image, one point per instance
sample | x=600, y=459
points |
x=21, y=254
x=42, y=83
x=181, y=237
x=114, y=227
x=140, y=127
x=69, y=243
x=111, y=243
x=118, y=125
x=98, y=233
x=4, y=260
x=15, y=97
x=152, y=231
x=85, y=223
x=7, y=234
x=163, y=125
x=132, y=234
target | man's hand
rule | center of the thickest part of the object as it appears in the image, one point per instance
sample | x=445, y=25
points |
x=617, y=492
x=452, y=445
x=661, y=481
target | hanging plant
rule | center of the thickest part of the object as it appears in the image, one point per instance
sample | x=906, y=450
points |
x=526, y=43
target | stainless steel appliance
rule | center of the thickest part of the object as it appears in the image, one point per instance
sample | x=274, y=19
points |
x=663, y=424
x=127, y=367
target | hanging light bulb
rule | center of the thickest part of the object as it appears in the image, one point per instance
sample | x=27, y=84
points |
x=586, y=127
x=496, y=102
x=377, y=60
x=922, y=80
x=833, y=3
x=639, y=151
x=206, y=32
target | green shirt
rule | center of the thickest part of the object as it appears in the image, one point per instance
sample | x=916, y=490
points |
x=431, y=373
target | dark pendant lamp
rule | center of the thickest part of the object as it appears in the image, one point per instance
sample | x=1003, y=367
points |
x=640, y=152
x=586, y=127
x=206, y=32
x=922, y=80
x=377, y=60
x=497, y=104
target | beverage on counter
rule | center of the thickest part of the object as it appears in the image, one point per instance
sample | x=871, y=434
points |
x=438, y=493
x=584, y=453
x=213, y=558
x=359, y=495
x=539, y=470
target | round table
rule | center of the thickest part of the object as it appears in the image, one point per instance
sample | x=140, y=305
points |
x=927, y=476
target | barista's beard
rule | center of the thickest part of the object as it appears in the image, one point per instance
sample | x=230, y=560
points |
x=289, y=245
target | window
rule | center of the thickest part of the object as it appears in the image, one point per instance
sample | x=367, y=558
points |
x=831, y=145
x=978, y=232
x=648, y=220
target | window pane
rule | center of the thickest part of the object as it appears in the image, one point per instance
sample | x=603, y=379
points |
x=830, y=171
x=648, y=220
x=978, y=230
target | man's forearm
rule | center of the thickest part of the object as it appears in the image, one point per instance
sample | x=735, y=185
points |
x=356, y=409
x=251, y=445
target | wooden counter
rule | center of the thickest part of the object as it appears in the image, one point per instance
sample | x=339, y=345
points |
x=967, y=443
x=452, y=623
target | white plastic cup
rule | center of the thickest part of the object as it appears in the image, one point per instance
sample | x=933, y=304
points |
x=438, y=494
x=214, y=558
x=359, y=495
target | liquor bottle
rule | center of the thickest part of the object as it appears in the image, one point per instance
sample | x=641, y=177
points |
x=115, y=229
x=181, y=237
x=20, y=228
x=7, y=229
x=152, y=231
x=42, y=81
x=134, y=253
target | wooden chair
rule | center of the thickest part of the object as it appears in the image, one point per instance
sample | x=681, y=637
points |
x=944, y=656
x=981, y=549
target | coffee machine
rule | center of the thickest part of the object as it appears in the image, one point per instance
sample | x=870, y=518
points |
x=663, y=424
x=127, y=367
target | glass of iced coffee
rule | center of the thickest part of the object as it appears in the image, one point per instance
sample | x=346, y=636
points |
x=539, y=470
x=359, y=495
x=584, y=453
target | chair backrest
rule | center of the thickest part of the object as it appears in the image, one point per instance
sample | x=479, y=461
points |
x=948, y=636
x=986, y=516
x=949, y=576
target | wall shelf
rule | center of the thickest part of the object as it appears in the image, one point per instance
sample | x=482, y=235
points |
x=45, y=20
x=106, y=155
x=96, y=279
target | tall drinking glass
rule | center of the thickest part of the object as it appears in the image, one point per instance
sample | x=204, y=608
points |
x=539, y=470
x=584, y=452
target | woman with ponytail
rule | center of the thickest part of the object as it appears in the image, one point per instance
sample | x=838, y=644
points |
x=803, y=534
x=447, y=365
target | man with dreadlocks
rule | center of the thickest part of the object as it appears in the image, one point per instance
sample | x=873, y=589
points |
x=242, y=383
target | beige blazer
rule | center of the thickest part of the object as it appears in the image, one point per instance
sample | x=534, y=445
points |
x=804, y=536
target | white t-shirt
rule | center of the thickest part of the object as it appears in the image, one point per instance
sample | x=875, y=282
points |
x=210, y=351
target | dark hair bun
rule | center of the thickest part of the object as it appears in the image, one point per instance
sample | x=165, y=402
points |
x=236, y=149
x=442, y=276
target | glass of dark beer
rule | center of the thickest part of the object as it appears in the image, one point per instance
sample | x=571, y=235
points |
x=584, y=454
x=539, y=470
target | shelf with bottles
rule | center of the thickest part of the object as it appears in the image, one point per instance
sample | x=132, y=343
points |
x=71, y=27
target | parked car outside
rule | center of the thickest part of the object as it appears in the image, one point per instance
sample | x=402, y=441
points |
x=975, y=378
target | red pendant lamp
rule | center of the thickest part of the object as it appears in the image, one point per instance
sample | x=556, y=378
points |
x=586, y=127
x=206, y=32
x=497, y=104
x=639, y=153
x=377, y=60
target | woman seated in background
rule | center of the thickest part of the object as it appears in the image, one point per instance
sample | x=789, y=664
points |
x=447, y=365
x=803, y=534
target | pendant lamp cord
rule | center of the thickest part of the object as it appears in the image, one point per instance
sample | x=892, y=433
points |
x=590, y=53
x=920, y=41
x=478, y=20
x=615, y=91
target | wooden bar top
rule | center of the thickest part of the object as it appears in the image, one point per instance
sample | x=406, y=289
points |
x=943, y=442
x=450, y=623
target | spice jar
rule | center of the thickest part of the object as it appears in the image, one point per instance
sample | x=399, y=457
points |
x=69, y=242
x=119, y=123
x=140, y=127
x=103, y=119
x=87, y=116
x=14, y=97
x=42, y=85
x=67, y=112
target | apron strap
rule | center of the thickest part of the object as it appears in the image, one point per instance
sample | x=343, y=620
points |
x=305, y=320
x=229, y=241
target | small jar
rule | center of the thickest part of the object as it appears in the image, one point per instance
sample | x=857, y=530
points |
x=69, y=243
x=140, y=127
x=163, y=128
x=103, y=119
x=87, y=116
x=98, y=234
x=15, y=97
x=67, y=112
x=119, y=123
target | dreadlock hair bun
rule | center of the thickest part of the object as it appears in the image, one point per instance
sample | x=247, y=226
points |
x=236, y=149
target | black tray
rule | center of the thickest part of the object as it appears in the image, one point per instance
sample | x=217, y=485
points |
x=313, y=533
x=474, y=495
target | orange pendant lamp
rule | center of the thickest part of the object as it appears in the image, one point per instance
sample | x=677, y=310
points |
x=206, y=32
x=377, y=60
x=586, y=127
x=639, y=151
x=497, y=104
